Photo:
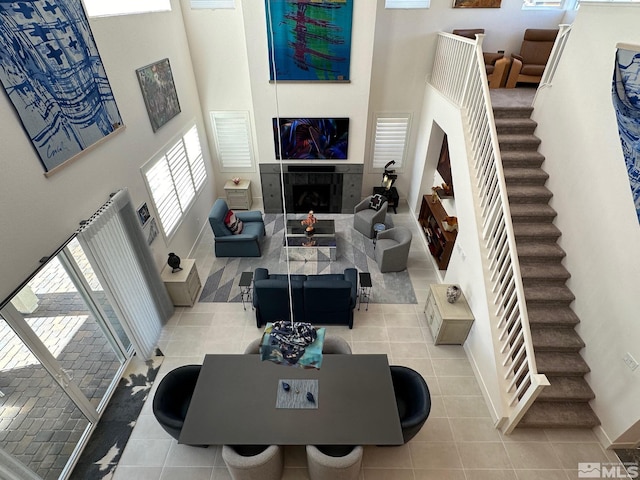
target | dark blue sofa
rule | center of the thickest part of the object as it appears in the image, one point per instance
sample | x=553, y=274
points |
x=246, y=244
x=327, y=299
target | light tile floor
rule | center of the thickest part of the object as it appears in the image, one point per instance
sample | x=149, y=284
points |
x=458, y=441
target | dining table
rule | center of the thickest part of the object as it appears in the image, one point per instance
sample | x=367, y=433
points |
x=240, y=399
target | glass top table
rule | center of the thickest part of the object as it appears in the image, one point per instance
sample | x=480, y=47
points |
x=317, y=246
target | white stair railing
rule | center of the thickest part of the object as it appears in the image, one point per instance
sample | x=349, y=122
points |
x=554, y=58
x=459, y=74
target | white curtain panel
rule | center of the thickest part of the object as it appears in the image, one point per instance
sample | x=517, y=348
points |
x=116, y=248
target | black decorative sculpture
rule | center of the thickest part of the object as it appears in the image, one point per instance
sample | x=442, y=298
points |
x=174, y=262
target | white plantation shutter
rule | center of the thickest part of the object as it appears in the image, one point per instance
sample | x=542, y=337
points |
x=174, y=179
x=390, y=139
x=232, y=131
x=212, y=4
x=407, y=3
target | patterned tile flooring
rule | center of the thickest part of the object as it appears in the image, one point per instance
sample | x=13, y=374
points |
x=458, y=442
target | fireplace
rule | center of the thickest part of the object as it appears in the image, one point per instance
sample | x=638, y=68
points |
x=310, y=197
x=321, y=188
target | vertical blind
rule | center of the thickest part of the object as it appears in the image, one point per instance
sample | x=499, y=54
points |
x=232, y=132
x=113, y=241
x=390, y=139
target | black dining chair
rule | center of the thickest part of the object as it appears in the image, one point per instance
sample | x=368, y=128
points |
x=173, y=396
x=413, y=399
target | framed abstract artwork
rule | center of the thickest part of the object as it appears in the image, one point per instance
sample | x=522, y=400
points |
x=159, y=92
x=626, y=103
x=311, y=138
x=476, y=3
x=309, y=41
x=53, y=75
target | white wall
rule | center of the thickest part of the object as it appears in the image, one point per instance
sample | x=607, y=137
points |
x=38, y=214
x=589, y=181
x=465, y=266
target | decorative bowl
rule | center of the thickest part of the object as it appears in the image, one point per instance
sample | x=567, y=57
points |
x=236, y=180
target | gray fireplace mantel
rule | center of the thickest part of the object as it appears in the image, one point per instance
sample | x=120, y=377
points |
x=350, y=173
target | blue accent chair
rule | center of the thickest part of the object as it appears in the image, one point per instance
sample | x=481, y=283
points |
x=246, y=244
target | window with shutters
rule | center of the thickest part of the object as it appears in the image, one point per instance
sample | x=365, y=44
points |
x=174, y=179
x=407, y=3
x=102, y=8
x=390, y=139
x=212, y=4
x=234, y=147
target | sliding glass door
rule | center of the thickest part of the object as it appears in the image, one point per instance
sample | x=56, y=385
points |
x=62, y=351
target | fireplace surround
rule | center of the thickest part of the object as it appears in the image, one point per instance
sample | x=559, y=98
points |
x=321, y=188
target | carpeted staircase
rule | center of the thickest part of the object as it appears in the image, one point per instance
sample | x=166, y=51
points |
x=564, y=404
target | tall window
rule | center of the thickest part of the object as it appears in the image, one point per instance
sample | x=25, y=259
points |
x=390, y=140
x=212, y=4
x=175, y=178
x=407, y=3
x=102, y=8
x=234, y=147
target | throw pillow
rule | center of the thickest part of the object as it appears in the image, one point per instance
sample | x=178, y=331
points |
x=233, y=223
x=377, y=201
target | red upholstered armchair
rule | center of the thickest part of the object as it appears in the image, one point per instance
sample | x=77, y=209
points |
x=496, y=65
x=529, y=65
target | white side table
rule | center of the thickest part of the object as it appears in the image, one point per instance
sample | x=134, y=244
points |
x=183, y=286
x=238, y=196
x=449, y=322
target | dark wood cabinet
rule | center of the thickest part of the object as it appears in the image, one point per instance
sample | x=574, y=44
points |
x=440, y=241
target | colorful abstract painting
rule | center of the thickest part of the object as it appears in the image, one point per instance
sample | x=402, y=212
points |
x=311, y=138
x=476, y=3
x=309, y=40
x=626, y=102
x=159, y=92
x=53, y=75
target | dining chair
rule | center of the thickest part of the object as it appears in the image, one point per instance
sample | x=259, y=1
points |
x=248, y=462
x=337, y=462
x=335, y=344
x=173, y=396
x=253, y=347
x=413, y=400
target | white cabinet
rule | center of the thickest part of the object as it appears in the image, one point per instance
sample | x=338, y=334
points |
x=183, y=286
x=238, y=196
x=449, y=322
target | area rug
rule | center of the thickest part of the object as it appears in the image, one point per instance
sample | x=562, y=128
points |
x=354, y=250
x=100, y=457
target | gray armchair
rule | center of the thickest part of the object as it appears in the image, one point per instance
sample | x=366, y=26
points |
x=247, y=243
x=364, y=218
x=392, y=249
x=335, y=344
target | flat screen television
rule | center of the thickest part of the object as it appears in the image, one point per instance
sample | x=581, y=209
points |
x=311, y=138
x=444, y=164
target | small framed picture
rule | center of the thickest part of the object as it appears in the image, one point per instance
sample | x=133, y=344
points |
x=143, y=214
x=153, y=231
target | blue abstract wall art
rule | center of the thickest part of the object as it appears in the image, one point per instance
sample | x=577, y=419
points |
x=626, y=102
x=311, y=39
x=53, y=75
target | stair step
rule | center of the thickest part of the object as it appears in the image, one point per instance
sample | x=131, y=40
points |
x=563, y=364
x=537, y=274
x=528, y=194
x=518, y=125
x=536, y=232
x=525, y=176
x=548, y=294
x=567, y=389
x=524, y=158
x=559, y=415
x=532, y=213
x=529, y=253
x=515, y=141
x=551, y=339
x=512, y=112
x=540, y=315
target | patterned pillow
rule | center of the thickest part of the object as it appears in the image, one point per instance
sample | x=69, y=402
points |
x=377, y=201
x=233, y=223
